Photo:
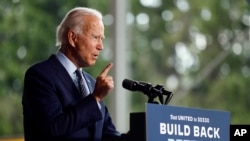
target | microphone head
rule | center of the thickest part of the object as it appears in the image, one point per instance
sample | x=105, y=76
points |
x=129, y=84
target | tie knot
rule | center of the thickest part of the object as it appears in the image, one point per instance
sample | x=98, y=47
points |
x=78, y=70
x=78, y=73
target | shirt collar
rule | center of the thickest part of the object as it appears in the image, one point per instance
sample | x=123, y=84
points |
x=68, y=64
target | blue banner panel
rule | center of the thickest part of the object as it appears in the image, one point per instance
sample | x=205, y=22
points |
x=172, y=123
x=239, y=132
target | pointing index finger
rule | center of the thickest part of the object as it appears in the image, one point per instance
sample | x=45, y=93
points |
x=106, y=69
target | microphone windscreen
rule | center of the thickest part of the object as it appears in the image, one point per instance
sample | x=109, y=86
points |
x=128, y=84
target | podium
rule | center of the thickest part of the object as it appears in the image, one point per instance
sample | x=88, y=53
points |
x=173, y=123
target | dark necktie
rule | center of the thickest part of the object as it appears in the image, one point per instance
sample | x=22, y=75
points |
x=81, y=83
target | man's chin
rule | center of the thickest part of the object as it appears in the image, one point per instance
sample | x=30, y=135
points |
x=91, y=64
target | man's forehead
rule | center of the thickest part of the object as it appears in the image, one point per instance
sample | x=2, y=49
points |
x=93, y=24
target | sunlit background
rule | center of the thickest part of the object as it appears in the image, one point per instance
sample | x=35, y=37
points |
x=197, y=49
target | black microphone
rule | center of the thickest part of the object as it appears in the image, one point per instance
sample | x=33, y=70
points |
x=148, y=89
x=137, y=86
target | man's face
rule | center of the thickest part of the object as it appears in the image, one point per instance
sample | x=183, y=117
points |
x=88, y=45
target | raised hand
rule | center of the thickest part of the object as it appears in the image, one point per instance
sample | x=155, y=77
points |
x=104, y=83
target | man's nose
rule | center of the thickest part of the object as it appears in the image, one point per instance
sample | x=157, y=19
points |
x=100, y=45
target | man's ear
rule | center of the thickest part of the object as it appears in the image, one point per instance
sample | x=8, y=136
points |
x=72, y=38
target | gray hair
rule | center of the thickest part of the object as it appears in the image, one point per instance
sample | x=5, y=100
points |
x=72, y=21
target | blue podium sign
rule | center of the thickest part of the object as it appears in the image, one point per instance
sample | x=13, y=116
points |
x=172, y=123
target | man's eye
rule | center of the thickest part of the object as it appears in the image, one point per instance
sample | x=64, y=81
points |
x=97, y=37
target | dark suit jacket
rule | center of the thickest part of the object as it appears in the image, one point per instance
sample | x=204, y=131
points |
x=53, y=109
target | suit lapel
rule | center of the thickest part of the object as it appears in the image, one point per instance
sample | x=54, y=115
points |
x=89, y=84
x=63, y=74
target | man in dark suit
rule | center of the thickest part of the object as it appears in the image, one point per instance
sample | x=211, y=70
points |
x=54, y=107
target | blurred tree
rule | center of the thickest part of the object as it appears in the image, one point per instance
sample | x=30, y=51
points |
x=191, y=47
x=197, y=49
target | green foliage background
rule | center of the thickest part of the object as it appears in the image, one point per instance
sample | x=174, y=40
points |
x=218, y=78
